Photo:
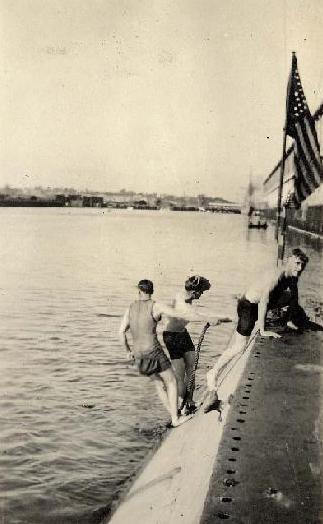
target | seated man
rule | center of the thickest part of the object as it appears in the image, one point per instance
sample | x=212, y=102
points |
x=276, y=289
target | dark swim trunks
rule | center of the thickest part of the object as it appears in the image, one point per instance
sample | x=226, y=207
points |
x=178, y=343
x=248, y=316
x=154, y=362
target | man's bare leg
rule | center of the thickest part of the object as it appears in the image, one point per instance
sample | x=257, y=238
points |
x=170, y=382
x=161, y=390
x=178, y=365
x=212, y=401
x=238, y=345
x=189, y=359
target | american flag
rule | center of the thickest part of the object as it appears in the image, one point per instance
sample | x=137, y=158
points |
x=300, y=126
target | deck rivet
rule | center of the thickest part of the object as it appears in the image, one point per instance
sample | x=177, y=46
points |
x=230, y=483
x=222, y=515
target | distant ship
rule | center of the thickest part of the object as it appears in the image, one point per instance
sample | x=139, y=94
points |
x=257, y=220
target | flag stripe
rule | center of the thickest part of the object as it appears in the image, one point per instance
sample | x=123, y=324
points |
x=312, y=128
x=303, y=168
x=304, y=128
x=312, y=136
x=306, y=182
x=304, y=150
x=308, y=177
x=298, y=196
x=305, y=189
x=301, y=191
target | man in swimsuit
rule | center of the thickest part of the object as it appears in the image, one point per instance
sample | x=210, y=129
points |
x=277, y=289
x=177, y=339
x=141, y=319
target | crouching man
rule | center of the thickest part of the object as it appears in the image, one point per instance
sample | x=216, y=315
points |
x=277, y=289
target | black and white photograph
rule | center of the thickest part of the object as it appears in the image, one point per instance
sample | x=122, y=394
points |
x=161, y=246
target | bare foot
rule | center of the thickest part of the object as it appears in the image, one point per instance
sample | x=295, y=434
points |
x=212, y=401
x=190, y=407
x=180, y=420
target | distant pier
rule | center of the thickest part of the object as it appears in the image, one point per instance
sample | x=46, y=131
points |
x=122, y=200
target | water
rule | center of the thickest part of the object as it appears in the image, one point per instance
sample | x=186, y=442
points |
x=76, y=420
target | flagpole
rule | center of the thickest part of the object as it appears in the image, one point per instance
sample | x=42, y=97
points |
x=281, y=246
x=281, y=224
x=281, y=212
x=281, y=182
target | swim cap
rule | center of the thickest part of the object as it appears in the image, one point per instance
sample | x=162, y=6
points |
x=146, y=286
x=197, y=283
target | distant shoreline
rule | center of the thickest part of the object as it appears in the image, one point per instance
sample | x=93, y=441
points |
x=221, y=208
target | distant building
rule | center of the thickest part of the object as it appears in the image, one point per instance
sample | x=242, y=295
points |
x=74, y=200
x=92, y=201
x=223, y=207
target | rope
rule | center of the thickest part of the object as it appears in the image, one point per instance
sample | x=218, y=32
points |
x=191, y=384
x=251, y=339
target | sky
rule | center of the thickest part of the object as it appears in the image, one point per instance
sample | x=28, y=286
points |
x=184, y=97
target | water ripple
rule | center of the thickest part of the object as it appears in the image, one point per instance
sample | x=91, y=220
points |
x=77, y=420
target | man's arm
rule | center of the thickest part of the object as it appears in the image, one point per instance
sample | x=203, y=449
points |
x=124, y=327
x=187, y=313
x=294, y=290
x=262, y=308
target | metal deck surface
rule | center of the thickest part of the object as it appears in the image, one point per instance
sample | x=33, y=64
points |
x=268, y=468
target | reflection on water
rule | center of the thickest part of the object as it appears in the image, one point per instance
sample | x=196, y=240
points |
x=76, y=420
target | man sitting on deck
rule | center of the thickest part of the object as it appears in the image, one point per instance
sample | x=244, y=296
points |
x=141, y=318
x=275, y=290
x=177, y=339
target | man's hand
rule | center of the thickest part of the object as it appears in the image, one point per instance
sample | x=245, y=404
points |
x=214, y=322
x=218, y=321
x=291, y=325
x=269, y=334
